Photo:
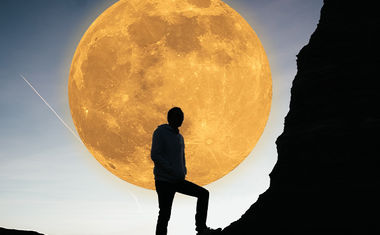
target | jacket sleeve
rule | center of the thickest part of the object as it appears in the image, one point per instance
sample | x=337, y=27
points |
x=156, y=153
x=184, y=158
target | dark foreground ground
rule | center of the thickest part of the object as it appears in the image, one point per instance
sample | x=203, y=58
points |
x=4, y=231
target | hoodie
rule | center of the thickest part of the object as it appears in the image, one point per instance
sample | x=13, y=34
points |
x=168, y=154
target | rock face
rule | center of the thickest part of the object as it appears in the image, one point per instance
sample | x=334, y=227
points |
x=326, y=180
x=4, y=231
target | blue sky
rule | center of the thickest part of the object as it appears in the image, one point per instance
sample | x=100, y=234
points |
x=48, y=180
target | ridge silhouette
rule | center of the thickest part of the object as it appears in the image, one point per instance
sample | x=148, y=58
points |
x=5, y=231
x=326, y=179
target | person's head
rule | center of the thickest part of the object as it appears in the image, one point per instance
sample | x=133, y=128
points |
x=175, y=117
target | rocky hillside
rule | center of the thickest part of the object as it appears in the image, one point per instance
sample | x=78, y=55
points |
x=326, y=180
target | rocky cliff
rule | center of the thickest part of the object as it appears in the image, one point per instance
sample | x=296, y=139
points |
x=326, y=180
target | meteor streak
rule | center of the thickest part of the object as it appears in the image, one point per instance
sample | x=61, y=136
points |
x=56, y=114
x=72, y=132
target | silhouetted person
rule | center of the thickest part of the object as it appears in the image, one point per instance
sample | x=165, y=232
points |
x=168, y=154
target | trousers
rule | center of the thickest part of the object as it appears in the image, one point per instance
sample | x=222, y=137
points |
x=166, y=191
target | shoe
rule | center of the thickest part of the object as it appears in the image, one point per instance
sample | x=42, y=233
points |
x=208, y=230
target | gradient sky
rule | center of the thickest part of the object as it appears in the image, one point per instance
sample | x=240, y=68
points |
x=50, y=183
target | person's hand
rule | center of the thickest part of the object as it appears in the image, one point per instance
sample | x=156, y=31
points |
x=178, y=175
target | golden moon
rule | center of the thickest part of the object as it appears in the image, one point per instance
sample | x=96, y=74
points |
x=139, y=58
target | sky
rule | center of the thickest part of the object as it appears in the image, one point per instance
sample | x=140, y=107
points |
x=50, y=183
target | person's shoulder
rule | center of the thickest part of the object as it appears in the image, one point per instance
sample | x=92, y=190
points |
x=159, y=129
x=156, y=131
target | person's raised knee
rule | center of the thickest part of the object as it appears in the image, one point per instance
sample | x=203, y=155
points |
x=205, y=193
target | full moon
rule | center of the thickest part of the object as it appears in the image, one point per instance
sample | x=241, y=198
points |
x=140, y=58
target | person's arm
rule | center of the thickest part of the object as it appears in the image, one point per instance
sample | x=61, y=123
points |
x=156, y=153
x=184, y=159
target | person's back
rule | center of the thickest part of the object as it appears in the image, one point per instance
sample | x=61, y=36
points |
x=168, y=154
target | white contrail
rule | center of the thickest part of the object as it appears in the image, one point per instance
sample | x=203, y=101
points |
x=56, y=114
x=72, y=132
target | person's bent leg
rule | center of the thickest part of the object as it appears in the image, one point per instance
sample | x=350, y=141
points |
x=165, y=194
x=202, y=194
